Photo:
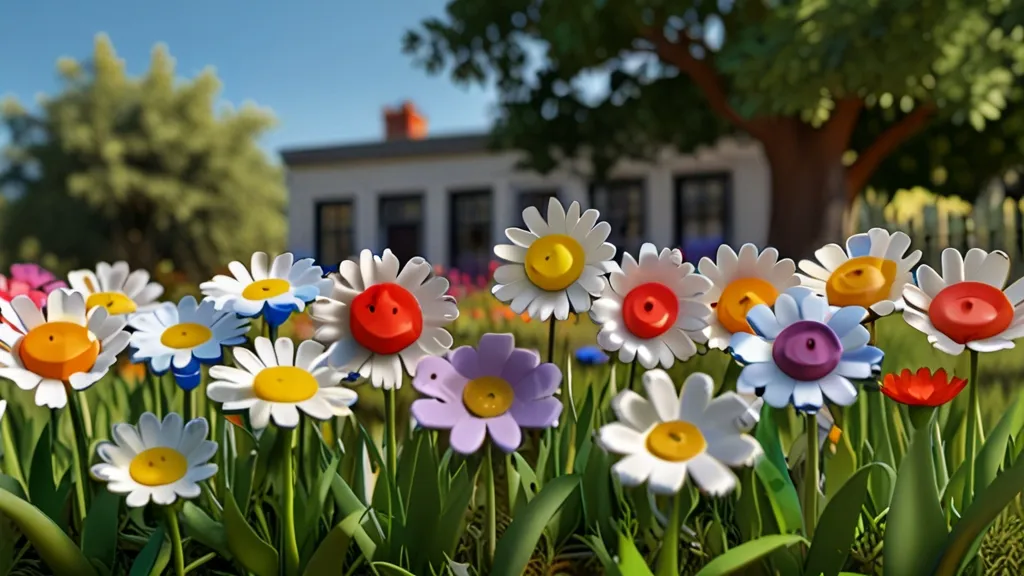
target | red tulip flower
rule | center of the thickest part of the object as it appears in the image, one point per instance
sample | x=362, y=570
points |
x=923, y=388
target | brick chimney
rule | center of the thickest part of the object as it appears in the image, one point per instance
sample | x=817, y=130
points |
x=404, y=123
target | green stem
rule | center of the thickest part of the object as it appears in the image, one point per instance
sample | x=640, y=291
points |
x=11, y=464
x=155, y=385
x=302, y=452
x=811, y=475
x=668, y=558
x=492, y=505
x=391, y=431
x=200, y=561
x=187, y=405
x=632, y=374
x=291, y=545
x=940, y=455
x=551, y=340
x=177, y=552
x=972, y=429
x=80, y=456
x=272, y=333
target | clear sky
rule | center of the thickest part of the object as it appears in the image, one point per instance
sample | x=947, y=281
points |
x=325, y=67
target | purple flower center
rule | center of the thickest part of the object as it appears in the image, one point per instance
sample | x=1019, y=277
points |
x=807, y=350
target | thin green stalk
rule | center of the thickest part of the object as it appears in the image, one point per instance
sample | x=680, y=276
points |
x=492, y=505
x=632, y=373
x=86, y=413
x=302, y=452
x=177, y=552
x=668, y=558
x=291, y=545
x=940, y=455
x=11, y=463
x=972, y=429
x=187, y=405
x=80, y=456
x=155, y=385
x=811, y=475
x=200, y=561
x=551, y=339
x=391, y=426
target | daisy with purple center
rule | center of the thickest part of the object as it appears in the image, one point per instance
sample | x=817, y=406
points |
x=492, y=390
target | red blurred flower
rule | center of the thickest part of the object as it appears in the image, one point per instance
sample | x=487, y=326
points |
x=922, y=388
x=491, y=267
x=30, y=280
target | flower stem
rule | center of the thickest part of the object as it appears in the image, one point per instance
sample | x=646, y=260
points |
x=632, y=374
x=10, y=461
x=492, y=505
x=668, y=558
x=188, y=405
x=551, y=339
x=291, y=545
x=972, y=430
x=80, y=456
x=391, y=425
x=811, y=475
x=177, y=552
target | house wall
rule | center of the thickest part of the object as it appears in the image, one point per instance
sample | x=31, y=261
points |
x=437, y=177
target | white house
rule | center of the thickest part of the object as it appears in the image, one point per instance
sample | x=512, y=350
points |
x=449, y=198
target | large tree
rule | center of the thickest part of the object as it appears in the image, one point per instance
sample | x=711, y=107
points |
x=141, y=169
x=832, y=89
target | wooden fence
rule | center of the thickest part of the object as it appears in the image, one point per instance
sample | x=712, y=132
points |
x=993, y=223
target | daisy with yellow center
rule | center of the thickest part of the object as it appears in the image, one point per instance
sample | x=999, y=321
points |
x=555, y=266
x=63, y=346
x=158, y=461
x=116, y=288
x=738, y=283
x=277, y=382
x=871, y=273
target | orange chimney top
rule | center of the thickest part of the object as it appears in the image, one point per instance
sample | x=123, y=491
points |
x=404, y=123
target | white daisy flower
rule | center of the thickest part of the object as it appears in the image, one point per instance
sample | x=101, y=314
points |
x=158, y=461
x=380, y=316
x=273, y=290
x=183, y=336
x=740, y=282
x=556, y=265
x=276, y=382
x=967, y=307
x=803, y=350
x=651, y=309
x=116, y=288
x=667, y=437
x=61, y=346
x=871, y=273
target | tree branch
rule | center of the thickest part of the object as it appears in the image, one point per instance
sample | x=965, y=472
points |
x=840, y=126
x=858, y=175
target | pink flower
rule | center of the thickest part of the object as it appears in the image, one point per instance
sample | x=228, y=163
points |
x=31, y=280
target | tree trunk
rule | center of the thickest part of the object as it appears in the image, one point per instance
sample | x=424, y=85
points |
x=808, y=190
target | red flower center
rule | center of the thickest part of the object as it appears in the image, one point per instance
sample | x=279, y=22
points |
x=649, y=310
x=969, y=311
x=386, y=319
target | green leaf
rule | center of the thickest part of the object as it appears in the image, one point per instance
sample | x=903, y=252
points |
x=991, y=455
x=146, y=560
x=58, y=552
x=42, y=490
x=517, y=544
x=971, y=528
x=767, y=434
x=424, y=499
x=204, y=529
x=915, y=529
x=253, y=554
x=352, y=526
x=830, y=548
x=781, y=495
x=631, y=562
x=453, y=517
x=326, y=561
x=744, y=554
x=388, y=569
x=99, y=532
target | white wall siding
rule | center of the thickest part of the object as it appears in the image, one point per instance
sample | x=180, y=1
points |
x=437, y=177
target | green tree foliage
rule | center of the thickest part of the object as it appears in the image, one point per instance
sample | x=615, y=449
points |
x=141, y=169
x=832, y=89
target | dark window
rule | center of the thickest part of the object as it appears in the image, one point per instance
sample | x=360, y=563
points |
x=621, y=204
x=702, y=214
x=470, y=245
x=401, y=225
x=335, y=234
x=538, y=199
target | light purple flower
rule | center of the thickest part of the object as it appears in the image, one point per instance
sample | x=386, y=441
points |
x=495, y=389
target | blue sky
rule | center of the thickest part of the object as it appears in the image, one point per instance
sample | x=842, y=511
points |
x=326, y=68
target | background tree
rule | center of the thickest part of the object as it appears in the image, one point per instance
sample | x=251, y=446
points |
x=141, y=169
x=830, y=88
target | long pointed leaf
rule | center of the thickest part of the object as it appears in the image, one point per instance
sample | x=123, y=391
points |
x=745, y=554
x=58, y=551
x=517, y=544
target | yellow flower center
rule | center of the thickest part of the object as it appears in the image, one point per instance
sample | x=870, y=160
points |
x=861, y=281
x=116, y=303
x=738, y=298
x=676, y=441
x=158, y=467
x=57, y=350
x=263, y=289
x=554, y=262
x=488, y=396
x=185, y=335
x=285, y=385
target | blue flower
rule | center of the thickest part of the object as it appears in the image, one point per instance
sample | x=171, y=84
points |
x=804, y=351
x=352, y=377
x=591, y=356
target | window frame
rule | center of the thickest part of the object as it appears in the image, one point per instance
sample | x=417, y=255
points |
x=609, y=187
x=679, y=187
x=319, y=231
x=523, y=193
x=453, y=232
x=382, y=230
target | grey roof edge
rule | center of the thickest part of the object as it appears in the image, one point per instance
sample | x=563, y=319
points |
x=387, y=150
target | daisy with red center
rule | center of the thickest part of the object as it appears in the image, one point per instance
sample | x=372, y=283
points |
x=922, y=388
x=650, y=310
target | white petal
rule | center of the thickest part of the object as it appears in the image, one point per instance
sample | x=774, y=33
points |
x=711, y=476
x=662, y=394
